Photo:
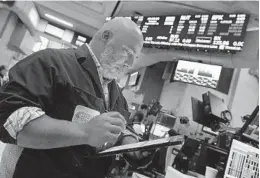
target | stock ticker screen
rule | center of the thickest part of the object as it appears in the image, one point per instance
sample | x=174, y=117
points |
x=221, y=32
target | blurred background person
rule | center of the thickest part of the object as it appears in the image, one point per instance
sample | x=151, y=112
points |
x=137, y=119
x=142, y=112
x=3, y=74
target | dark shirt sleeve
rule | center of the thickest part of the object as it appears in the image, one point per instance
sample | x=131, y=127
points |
x=30, y=84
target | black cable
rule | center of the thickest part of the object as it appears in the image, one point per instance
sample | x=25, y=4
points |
x=251, y=118
x=114, y=10
x=224, y=116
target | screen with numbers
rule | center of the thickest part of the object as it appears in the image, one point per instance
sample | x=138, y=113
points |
x=221, y=32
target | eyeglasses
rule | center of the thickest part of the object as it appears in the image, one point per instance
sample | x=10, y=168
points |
x=129, y=51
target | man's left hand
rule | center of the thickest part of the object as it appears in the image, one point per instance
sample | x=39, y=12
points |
x=136, y=155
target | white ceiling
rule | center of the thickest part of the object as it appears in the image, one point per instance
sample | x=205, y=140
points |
x=88, y=16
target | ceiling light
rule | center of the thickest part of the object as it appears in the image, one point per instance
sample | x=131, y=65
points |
x=59, y=20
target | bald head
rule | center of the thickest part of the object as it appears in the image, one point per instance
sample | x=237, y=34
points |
x=117, y=44
x=120, y=26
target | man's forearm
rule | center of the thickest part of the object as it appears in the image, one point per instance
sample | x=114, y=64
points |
x=47, y=133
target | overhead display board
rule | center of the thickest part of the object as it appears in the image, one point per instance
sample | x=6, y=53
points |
x=220, y=32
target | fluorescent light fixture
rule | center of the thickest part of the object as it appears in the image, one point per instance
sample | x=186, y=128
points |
x=59, y=20
x=81, y=38
x=34, y=17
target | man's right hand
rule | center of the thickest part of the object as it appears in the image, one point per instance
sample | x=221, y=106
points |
x=104, y=128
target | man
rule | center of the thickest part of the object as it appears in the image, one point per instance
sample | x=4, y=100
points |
x=137, y=119
x=3, y=74
x=61, y=106
x=142, y=112
x=144, y=109
x=169, y=158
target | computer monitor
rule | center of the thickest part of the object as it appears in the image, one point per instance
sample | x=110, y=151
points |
x=200, y=117
x=166, y=120
x=133, y=79
x=197, y=110
x=214, y=108
x=159, y=130
x=206, y=75
x=243, y=161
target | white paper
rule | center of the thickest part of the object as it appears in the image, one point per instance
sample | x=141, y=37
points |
x=84, y=114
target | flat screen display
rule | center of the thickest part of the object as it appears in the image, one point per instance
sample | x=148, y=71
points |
x=214, y=32
x=159, y=130
x=243, y=161
x=133, y=79
x=206, y=75
x=166, y=120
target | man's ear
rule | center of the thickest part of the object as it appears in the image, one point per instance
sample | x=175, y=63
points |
x=106, y=36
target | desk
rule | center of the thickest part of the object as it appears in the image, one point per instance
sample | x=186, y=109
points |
x=173, y=173
x=137, y=175
x=196, y=174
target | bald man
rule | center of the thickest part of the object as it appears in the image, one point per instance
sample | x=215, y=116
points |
x=62, y=106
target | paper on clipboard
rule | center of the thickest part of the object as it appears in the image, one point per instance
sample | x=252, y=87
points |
x=164, y=142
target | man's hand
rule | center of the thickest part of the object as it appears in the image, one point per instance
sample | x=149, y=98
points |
x=104, y=128
x=136, y=155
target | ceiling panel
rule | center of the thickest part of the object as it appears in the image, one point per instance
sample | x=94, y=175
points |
x=86, y=16
x=91, y=5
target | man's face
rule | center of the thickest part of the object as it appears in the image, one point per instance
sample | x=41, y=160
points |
x=145, y=111
x=120, y=54
x=4, y=72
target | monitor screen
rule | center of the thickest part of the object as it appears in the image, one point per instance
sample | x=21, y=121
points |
x=199, y=117
x=166, y=120
x=133, y=79
x=215, y=32
x=206, y=75
x=243, y=161
x=159, y=130
x=197, y=110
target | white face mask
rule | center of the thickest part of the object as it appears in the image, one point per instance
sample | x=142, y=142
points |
x=113, y=62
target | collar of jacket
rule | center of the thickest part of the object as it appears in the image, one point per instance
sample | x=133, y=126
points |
x=85, y=59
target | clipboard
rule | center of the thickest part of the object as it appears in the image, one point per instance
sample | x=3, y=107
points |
x=145, y=145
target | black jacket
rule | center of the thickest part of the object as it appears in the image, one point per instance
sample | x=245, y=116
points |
x=57, y=81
